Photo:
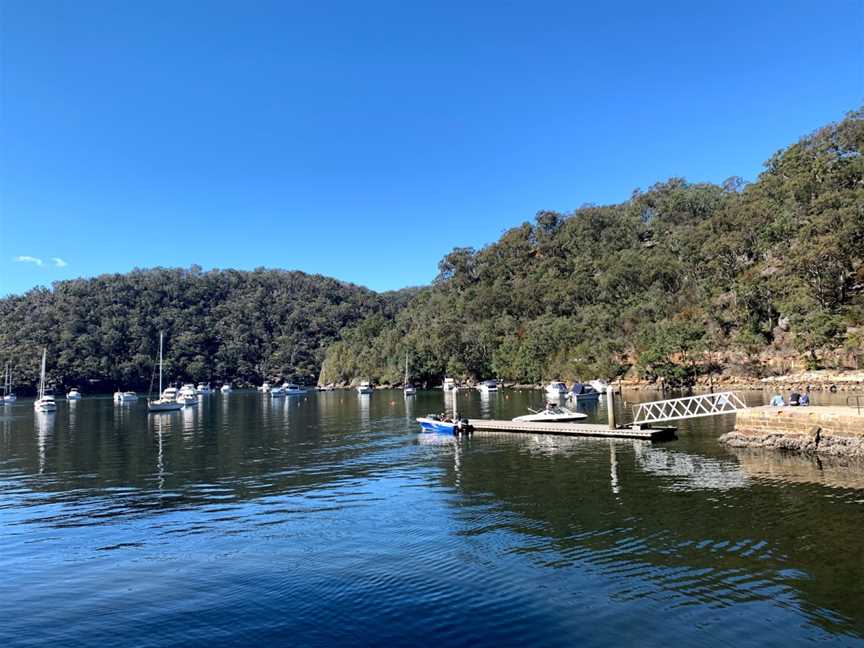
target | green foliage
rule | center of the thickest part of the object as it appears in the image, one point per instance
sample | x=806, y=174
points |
x=655, y=282
x=219, y=326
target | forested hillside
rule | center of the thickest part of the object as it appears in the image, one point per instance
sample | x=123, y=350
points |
x=219, y=325
x=680, y=280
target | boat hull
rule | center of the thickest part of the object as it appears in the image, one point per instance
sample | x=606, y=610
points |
x=164, y=407
x=437, y=427
x=555, y=418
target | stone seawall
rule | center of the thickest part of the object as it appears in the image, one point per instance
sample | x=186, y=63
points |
x=837, y=431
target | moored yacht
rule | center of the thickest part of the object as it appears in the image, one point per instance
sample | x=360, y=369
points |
x=8, y=396
x=45, y=402
x=449, y=385
x=556, y=389
x=73, y=394
x=600, y=386
x=187, y=395
x=583, y=392
x=488, y=386
x=167, y=401
x=291, y=389
x=226, y=388
x=125, y=397
x=408, y=389
x=265, y=387
x=203, y=389
x=365, y=387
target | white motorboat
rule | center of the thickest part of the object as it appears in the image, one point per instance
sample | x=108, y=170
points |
x=600, y=386
x=449, y=385
x=552, y=414
x=291, y=389
x=187, y=395
x=325, y=388
x=203, y=389
x=167, y=401
x=265, y=387
x=408, y=389
x=73, y=394
x=225, y=389
x=277, y=392
x=125, y=397
x=8, y=396
x=488, y=386
x=365, y=387
x=556, y=389
x=45, y=402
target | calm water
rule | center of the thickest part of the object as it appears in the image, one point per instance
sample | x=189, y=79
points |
x=327, y=520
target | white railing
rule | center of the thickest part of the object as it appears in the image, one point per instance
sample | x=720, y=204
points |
x=676, y=409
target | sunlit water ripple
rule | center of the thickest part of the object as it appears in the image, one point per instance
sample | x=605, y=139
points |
x=327, y=520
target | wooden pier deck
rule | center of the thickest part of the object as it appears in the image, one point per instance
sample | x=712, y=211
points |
x=573, y=429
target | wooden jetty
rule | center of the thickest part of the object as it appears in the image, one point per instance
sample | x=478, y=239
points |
x=578, y=429
x=573, y=429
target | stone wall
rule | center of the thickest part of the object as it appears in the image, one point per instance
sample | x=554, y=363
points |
x=835, y=431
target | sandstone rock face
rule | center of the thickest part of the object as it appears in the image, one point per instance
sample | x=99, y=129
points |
x=837, y=431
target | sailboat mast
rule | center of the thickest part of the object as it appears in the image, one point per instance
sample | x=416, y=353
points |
x=42, y=375
x=406, y=368
x=160, y=363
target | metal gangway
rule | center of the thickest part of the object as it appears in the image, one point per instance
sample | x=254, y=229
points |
x=676, y=409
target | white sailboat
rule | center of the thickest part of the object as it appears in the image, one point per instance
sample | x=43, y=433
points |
x=166, y=402
x=8, y=396
x=408, y=389
x=45, y=402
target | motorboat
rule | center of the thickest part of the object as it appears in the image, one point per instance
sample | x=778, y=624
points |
x=276, y=392
x=449, y=385
x=167, y=401
x=225, y=389
x=553, y=414
x=443, y=425
x=125, y=397
x=488, y=386
x=187, y=395
x=265, y=387
x=73, y=394
x=583, y=392
x=556, y=389
x=45, y=402
x=203, y=389
x=326, y=388
x=291, y=389
x=600, y=386
x=365, y=387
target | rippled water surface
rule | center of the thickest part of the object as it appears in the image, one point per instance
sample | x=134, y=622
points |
x=327, y=520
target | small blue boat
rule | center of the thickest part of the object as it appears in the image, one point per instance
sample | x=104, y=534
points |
x=436, y=425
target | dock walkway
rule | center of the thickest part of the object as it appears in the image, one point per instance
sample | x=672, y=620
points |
x=573, y=429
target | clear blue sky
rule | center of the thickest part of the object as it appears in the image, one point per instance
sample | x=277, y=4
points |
x=364, y=140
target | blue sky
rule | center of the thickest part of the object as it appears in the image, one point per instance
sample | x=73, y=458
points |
x=366, y=140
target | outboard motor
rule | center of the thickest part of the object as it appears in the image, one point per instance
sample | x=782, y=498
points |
x=464, y=427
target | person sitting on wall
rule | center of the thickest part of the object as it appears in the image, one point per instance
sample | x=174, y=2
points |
x=794, y=398
x=777, y=401
x=804, y=401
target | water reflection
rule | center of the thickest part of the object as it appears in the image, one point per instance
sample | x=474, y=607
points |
x=332, y=505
